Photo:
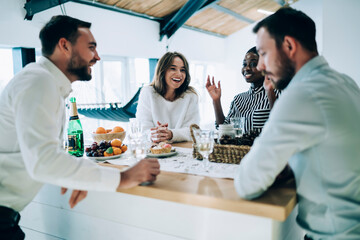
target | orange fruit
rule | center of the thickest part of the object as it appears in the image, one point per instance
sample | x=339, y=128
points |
x=117, y=150
x=100, y=130
x=108, y=154
x=116, y=143
x=123, y=148
x=108, y=130
x=117, y=129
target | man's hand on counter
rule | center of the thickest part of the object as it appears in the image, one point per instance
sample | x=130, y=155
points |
x=144, y=171
x=76, y=196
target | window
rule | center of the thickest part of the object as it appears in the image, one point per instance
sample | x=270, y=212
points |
x=142, y=73
x=115, y=80
x=199, y=72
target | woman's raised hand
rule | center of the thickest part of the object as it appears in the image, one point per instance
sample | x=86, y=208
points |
x=269, y=89
x=268, y=84
x=215, y=92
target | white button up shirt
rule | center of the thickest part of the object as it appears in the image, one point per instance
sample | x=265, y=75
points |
x=315, y=126
x=32, y=117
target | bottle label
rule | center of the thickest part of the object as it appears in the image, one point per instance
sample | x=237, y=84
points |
x=76, y=144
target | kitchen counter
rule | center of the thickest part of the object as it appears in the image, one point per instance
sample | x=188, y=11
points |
x=200, y=208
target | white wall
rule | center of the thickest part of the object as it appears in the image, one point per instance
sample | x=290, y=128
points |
x=14, y=30
x=341, y=36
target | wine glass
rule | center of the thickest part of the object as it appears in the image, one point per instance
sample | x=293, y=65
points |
x=205, y=145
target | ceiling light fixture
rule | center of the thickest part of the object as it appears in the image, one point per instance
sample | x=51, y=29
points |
x=265, y=12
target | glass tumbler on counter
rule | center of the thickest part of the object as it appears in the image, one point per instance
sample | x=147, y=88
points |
x=204, y=145
x=135, y=128
x=138, y=145
x=226, y=134
x=239, y=124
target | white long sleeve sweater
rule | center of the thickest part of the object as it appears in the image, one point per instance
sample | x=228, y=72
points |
x=179, y=114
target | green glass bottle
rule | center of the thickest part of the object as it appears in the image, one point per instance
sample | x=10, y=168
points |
x=75, y=132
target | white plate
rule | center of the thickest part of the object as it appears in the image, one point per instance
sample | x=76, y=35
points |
x=162, y=155
x=105, y=158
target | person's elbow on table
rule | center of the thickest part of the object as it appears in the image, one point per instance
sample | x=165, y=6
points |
x=246, y=191
x=144, y=171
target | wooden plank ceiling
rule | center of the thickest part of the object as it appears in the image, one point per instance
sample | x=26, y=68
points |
x=223, y=17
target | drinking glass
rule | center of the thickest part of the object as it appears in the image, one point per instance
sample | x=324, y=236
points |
x=138, y=145
x=238, y=123
x=204, y=145
x=135, y=127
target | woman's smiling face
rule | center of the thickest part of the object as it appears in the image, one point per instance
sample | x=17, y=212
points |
x=249, y=70
x=175, y=75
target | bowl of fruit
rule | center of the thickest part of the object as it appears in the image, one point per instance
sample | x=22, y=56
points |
x=106, y=149
x=108, y=134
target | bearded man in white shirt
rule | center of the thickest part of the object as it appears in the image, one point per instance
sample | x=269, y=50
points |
x=314, y=126
x=31, y=127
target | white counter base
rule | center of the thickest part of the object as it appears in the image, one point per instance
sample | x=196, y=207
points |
x=129, y=217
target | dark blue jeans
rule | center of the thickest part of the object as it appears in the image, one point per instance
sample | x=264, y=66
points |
x=307, y=238
x=9, y=225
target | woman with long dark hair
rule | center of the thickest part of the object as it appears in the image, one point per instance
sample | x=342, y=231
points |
x=168, y=106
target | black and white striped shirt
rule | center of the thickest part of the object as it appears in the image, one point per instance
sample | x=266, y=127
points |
x=253, y=105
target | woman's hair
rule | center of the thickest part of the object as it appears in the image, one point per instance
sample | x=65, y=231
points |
x=159, y=82
x=252, y=50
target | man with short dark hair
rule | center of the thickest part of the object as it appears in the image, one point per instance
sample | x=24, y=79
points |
x=32, y=110
x=314, y=126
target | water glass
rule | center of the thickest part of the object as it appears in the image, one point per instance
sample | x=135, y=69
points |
x=239, y=125
x=138, y=146
x=135, y=127
x=204, y=144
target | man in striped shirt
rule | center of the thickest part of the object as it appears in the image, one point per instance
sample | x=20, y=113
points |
x=255, y=104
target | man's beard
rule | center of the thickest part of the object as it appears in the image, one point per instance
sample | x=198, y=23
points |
x=286, y=71
x=79, y=67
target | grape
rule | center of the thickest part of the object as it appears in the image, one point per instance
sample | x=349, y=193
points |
x=103, y=144
x=94, y=147
x=100, y=152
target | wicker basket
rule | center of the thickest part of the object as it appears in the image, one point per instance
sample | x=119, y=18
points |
x=108, y=136
x=221, y=153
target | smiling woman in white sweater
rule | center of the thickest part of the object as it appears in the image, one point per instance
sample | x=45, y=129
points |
x=168, y=106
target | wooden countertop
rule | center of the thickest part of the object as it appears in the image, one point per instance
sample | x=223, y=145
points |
x=277, y=203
